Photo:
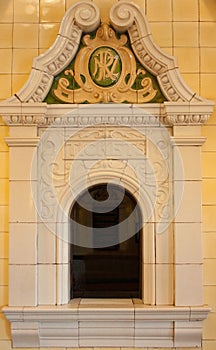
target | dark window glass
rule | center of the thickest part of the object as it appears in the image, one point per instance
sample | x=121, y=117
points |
x=106, y=270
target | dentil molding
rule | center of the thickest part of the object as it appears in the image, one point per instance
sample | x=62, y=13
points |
x=168, y=113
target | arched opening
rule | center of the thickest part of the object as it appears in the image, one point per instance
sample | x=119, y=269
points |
x=107, y=261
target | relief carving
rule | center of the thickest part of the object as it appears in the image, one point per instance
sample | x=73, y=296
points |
x=105, y=70
x=49, y=164
x=85, y=154
x=112, y=142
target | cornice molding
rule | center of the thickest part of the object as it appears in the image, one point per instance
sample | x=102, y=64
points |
x=43, y=115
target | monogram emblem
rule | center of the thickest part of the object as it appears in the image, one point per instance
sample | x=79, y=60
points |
x=105, y=66
x=105, y=70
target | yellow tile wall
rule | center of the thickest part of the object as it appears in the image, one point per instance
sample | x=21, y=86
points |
x=185, y=28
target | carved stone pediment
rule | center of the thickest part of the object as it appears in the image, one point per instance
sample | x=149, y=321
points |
x=105, y=63
x=106, y=52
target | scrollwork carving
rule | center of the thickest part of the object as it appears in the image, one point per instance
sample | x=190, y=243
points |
x=105, y=70
x=87, y=16
x=48, y=167
x=122, y=15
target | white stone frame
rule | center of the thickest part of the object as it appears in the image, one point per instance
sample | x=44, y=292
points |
x=36, y=312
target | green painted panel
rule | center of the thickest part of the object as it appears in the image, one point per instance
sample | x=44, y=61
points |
x=107, y=75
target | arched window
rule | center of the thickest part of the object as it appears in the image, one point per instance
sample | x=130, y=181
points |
x=109, y=265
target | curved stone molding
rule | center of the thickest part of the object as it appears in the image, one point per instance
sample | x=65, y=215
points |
x=82, y=17
x=36, y=87
x=126, y=15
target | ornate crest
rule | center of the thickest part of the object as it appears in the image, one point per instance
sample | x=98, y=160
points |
x=105, y=70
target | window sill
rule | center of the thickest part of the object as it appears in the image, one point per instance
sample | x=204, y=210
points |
x=106, y=322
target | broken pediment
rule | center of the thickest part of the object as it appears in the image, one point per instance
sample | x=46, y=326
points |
x=117, y=62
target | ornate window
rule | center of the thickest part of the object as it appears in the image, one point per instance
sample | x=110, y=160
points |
x=104, y=105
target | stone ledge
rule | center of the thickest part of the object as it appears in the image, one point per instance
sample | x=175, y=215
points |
x=83, y=323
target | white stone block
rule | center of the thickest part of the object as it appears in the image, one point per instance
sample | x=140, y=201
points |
x=188, y=243
x=187, y=201
x=55, y=334
x=187, y=334
x=23, y=243
x=148, y=244
x=102, y=342
x=106, y=326
x=153, y=333
x=22, y=206
x=184, y=130
x=153, y=343
x=21, y=165
x=164, y=246
x=22, y=285
x=46, y=244
x=63, y=283
x=164, y=284
x=187, y=162
x=47, y=284
x=188, y=287
x=148, y=284
x=29, y=132
x=26, y=338
x=63, y=241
